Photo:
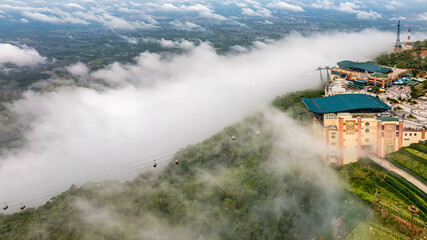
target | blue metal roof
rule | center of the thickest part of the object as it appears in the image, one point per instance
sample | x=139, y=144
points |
x=345, y=103
x=364, y=66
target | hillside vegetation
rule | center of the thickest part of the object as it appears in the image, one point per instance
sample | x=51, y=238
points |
x=267, y=186
x=406, y=59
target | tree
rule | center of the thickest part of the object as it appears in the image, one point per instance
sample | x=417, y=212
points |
x=375, y=89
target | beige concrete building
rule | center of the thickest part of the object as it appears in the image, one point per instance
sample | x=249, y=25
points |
x=354, y=124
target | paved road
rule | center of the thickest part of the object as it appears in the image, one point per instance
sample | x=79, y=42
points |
x=387, y=165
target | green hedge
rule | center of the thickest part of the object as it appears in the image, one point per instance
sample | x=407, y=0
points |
x=405, y=193
x=407, y=152
x=406, y=169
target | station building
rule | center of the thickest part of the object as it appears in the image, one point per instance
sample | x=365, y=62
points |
x=354, y=124
x=368, y=73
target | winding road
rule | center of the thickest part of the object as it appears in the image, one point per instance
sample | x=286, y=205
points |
x=387, y=165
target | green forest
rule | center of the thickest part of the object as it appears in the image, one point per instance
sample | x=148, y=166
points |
x=267, y=183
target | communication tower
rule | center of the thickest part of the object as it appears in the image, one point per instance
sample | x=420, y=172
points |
x=398, y=45
x=409, y=37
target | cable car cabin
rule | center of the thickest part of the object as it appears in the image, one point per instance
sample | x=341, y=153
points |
x=155, y=164
x=5, y=207
x=382, y=90
x=176, y=161
x=233, y=138
x=22, y=207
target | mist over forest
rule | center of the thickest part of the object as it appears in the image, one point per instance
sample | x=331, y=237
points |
x=183, y=119
x=73, y=130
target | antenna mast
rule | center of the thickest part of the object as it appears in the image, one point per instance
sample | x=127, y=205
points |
x=398, y=45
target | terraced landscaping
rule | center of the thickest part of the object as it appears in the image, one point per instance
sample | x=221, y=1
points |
x=412, y=160
x=417, y=153
x=371, y=182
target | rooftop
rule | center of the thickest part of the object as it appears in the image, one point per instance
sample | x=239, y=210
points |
x=364, y=67
x=345, y=103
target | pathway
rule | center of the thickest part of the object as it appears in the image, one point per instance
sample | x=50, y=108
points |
x=387, y=165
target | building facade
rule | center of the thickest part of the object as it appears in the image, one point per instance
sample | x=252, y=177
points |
x=349, y=136
x=352, y=125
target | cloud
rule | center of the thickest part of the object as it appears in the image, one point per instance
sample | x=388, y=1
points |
x=422, y=16
x=371, y=15
x=259, y=12
x=188, y=26
x=157, y=103
x=23, y=20
x=349, y=7
x=352, y=7
x=74, y=5
x=127, y=10
x=78, y=70
x=19, y=55
x=131, y=40
x=55, y=16
x=184, y=44
x=201, y=10
x=164, y=43
x=41, y=17
x=325, y=4
x=113, y=22
x=285, y=6
x=41, y=14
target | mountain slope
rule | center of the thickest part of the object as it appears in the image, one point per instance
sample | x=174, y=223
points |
x=266, y=186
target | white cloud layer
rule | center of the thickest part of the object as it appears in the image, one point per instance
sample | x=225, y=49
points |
x=285, y=6
x=200, y=9
x=19, y=55
x=422, y=17
x=188, y=26
x=350, y=7
x=263, y=12
x=78, y=70
x=158, y=103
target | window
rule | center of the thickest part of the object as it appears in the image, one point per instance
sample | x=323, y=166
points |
x=367, y=124
x=406, y=134
x=367, y=140
x=333, y=144
x=406, y=139
x=366, y=130
x=410, y=134
x=415, y=134
x=333, y=136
